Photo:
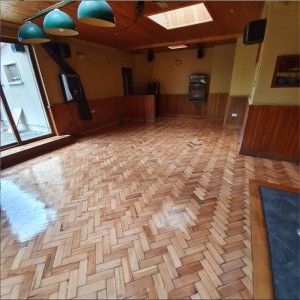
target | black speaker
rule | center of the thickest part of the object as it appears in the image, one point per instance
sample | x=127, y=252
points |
x=200, y=53
x=150, y=56
x=254, y=32
x=61, y=50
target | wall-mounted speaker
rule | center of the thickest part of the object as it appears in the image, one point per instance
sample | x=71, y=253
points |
x=254, y=32
x=199, y=53
x=61, y=50
x=150, y=56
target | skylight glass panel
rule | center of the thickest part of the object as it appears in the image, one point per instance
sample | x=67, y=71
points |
x=182, y=17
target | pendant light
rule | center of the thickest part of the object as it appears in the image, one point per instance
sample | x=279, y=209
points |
x=30, y=33
x=97, y=13
x=57, y=22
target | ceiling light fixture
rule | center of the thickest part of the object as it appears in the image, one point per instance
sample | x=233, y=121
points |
x=56, y=22
x=97, y=13
x=177, y=47
x=31, y=33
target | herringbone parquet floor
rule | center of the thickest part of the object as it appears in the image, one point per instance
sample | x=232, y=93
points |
x=146, y=211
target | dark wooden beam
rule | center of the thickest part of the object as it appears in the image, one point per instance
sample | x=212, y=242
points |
x=209, y=39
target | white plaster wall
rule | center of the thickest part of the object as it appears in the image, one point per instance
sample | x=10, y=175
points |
x=25, y=95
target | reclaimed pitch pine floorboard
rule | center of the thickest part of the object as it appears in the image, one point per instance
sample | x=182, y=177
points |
x=145, y=211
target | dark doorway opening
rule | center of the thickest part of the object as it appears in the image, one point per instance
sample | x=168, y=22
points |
x=127, y=81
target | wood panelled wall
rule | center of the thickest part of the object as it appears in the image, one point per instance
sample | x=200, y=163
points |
x=105, y=112
x=237, y=105
x=180, y=105
x=216, y=105
x=272, y=132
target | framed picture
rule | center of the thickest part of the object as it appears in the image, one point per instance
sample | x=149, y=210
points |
x=287, y=71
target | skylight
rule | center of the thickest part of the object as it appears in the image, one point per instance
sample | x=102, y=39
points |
x=181, y=17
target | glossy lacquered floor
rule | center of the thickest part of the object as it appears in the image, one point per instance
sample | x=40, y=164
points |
x=7, y=138
x=145, y=211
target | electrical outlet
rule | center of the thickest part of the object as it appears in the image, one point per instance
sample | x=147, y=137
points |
x=234, y=115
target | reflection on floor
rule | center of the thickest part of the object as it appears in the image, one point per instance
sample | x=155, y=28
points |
x=282, y=215
x=28, y=216
x=146, y=211
x=9, y=138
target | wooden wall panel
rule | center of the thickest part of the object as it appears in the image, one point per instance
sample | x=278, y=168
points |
x=216, y=105
x=149, y=108
x=62, y=118
x=272, y=132
x=238, y=105
x=137, y=108
x=124, y=108
x=105, y=112
x=66, y=117
x=177, y=105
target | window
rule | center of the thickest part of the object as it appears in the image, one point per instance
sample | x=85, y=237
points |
x=186, y=16
x=12, y=73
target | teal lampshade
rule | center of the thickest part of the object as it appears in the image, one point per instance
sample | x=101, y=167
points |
x=59, y=23
x=30, y=33
x=97, y=13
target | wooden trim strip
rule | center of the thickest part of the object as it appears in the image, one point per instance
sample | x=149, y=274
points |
x=262, y=270
x=225, y=37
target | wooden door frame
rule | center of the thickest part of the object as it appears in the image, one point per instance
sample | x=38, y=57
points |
x=42, y=93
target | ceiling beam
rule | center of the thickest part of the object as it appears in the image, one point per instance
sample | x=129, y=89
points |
x=209, y=39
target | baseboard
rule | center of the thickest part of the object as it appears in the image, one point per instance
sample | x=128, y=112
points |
x=183, y=116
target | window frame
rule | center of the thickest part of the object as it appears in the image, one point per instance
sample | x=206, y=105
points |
x=12, y=80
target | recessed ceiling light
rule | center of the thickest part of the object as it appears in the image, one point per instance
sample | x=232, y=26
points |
x=177, y=47
x=181, y=17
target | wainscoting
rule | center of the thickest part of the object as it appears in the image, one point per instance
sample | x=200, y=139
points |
x=106, y=112
x=216, y=105
x=272, y=131
x=235, y=105
x=180, y=105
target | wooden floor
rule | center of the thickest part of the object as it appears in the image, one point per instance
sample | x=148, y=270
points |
x=147, y=211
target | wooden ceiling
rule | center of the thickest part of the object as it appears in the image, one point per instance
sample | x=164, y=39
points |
x=142, y=34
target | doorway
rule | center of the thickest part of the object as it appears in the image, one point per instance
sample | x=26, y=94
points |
x=127, y=81
x=23, y=115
